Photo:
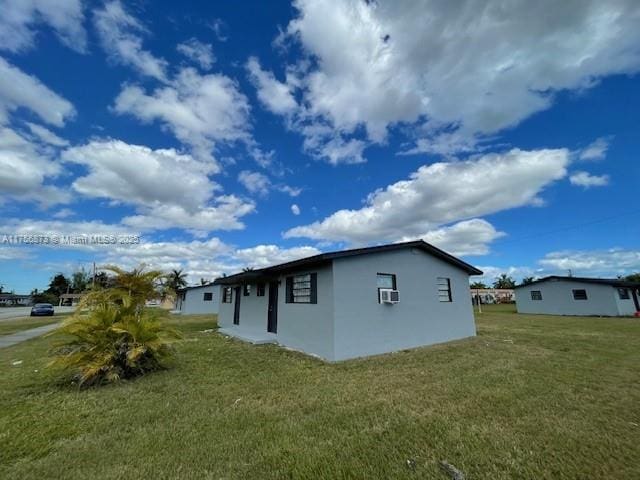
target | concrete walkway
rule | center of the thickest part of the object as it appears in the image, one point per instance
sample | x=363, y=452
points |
x=9, y=340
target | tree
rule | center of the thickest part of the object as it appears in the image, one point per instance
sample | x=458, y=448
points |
x=528, y=280
x=634, y=277
x=176, y=280
x=476, y=285
x=112, y=337
x=139, y=284
x=504, y=281
x=80, y=280
x=204, y=281
x=58, y=285
x=103, y=280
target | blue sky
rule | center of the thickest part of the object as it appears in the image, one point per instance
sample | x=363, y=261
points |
x=225, y=135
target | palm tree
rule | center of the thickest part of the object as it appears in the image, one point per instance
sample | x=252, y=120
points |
x=176, y=280
x=504, y=281
x=139, y=284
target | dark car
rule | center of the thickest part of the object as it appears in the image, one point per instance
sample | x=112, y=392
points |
x=42, y=309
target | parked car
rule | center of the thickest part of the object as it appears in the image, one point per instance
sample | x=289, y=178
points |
x=42, y=309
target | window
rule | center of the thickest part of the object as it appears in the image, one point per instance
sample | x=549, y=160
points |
x=246, y=290
x=226, y=295
x=302, y=288
x=579, y=294
x=385, y=281
x=623, y=293
x=444, y=289
x=208, y=296
x=260, y=289
x=536, y=295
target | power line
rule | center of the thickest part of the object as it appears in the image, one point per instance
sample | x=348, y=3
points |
x=568, y=227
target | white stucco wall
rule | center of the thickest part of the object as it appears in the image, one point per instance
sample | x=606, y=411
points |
x=194, y=303
x=365, y=327
x=302, y=326
x=625, y=307
x=306, y=326
x=225, y=311
x=557, y=299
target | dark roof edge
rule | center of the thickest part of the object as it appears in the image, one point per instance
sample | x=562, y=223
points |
x=330, y=256
x=613, y=282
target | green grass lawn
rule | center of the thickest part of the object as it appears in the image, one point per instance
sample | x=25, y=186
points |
x=7, y=327
x=531, y=397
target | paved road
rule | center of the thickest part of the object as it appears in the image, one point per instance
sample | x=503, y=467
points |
x=11, y=313
x=9, y=340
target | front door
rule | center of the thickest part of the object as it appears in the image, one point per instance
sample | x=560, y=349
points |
x=236, y=307
x=272, y=315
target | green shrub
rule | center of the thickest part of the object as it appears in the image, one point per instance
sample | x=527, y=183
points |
x=111, y=337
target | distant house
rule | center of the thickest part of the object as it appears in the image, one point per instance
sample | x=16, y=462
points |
x=70, y=299
x=492, y=295
x=201, y=299
x=578, y=296
x=352, y=303
x=13, y=300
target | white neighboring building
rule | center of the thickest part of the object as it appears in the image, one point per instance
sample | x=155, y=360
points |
x=201, y=299
x=578, y=296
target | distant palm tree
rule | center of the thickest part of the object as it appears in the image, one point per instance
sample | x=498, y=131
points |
x=504, y=281
x=248, y=269
x=176, y=280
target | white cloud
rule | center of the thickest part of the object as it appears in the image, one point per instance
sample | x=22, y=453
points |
x=64, y=213
x=289, y=190
x=586, y=180
x=199, y=110
x=19, y=90
x=19, y=20
x=120, y=36
x=597, y=150
x=13, y=253
x=47, y=136
x=612, y=262
x=24, y=168
x=265, y=255
x=295, y=209
x=146, y=178
x=470, y=68
x=208, y=258
x=469, y=237
x=222, y=213
x=442, y=193
x=198, y=52
x=273, y=94
x=255, y=182
x=138, y=175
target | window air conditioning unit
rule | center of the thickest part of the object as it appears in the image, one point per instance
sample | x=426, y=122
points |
x=388, y=295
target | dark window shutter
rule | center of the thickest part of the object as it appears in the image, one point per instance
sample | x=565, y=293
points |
x=289, y=290
x=314, y=288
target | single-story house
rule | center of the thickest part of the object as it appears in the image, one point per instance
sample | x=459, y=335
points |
x=200, y=299
x=70, y=299
x=14, y=300
x=556, y=295
x=352, y=303
x=492, y=295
